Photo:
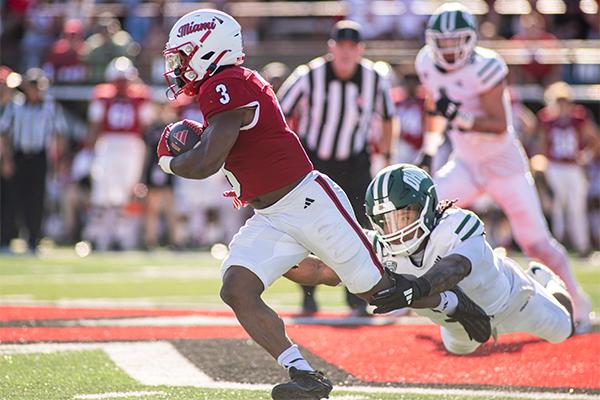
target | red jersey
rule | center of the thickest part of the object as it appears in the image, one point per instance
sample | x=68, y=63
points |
x=128, y=114
x=267, y=154
x=564, y=135
x=411, y=111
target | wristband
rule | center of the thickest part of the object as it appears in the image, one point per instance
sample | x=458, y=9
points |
x=464, y=121
x=165, y=164
x=431, y=142
x=422, y=287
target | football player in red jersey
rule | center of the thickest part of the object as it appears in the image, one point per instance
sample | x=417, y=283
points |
x=119, y=114
x=566, y=132
x=298, y=211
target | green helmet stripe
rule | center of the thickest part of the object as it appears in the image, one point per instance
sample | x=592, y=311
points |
x=452, y=18
x=385, y=189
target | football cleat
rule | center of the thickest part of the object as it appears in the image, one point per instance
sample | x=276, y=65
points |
x=472, y=317
x=303, y=385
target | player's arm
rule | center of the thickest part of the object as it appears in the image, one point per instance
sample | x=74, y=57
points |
x=312, y=271
x=434, y=126
x=494, y=118
x=217, y=140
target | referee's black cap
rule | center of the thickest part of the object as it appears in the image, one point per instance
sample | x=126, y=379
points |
x=346, y=30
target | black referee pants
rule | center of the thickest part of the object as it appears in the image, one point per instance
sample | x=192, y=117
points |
x=29, y=185
x=353, y=176
x=8, y=227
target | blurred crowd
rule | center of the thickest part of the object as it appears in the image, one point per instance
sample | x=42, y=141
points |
x=43, y=48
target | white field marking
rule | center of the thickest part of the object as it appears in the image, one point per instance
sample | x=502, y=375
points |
x=117, y=395
x=150, y=363
x=154, y=363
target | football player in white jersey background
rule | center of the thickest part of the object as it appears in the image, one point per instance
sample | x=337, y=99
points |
x=444, y=268
x=467, y=95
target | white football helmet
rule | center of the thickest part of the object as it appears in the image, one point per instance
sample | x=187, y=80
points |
x=452, y=35
x=199, y=43
x=120, y=68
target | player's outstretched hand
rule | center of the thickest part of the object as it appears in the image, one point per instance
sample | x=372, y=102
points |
x=446, y=107
x=163, y=148
x=472, y=317
x=401, y=294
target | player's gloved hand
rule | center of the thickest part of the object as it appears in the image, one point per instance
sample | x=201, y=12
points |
x=164, y=151
x=401, y=294
x=446, y=107
x=472, y=317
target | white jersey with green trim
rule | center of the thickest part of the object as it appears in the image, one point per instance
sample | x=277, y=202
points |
x=493, y=281
x=484, y=70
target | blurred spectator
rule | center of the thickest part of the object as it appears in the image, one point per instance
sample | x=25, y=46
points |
x=160, y=198
x=33, y=135
x=407, y=25
x=566, y=131
x=524, y=123
x=593, y=173
x=64, y=64
x=40, y=28
x=275, y=73
x=9, y=80
x=119, y=115
x=410, y=105
x=533, y=37
x=107, y=44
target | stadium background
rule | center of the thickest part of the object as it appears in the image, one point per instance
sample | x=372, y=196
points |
x=68, y=317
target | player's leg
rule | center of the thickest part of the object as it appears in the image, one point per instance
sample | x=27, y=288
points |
x=454, y=181
x=519, y=201
x=329, y=230
x=543, y=315
x=577, y=221
x=560, y=185
x=259, y=254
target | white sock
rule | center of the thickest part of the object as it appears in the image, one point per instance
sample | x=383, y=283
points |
x=448, y=302
x=291, y=357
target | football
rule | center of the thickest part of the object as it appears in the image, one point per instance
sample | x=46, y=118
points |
x=184, y=135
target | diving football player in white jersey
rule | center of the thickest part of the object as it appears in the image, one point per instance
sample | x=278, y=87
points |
x=445, y=269
x=467, y=95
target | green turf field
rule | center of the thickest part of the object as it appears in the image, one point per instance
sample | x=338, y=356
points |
x=73, y=375
x=165, y=278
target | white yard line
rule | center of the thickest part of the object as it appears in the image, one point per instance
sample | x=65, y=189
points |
x=117, y=395
x=159, y=363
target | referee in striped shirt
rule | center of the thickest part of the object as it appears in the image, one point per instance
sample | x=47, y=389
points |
x=28, y=129
x=332, y=102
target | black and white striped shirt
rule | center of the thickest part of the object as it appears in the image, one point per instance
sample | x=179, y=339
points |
x=32, y=126
x=335, y=116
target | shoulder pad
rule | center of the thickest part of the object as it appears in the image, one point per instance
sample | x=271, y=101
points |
x=489, y=67
x=461, y=224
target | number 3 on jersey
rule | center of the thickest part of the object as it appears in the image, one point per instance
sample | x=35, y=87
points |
x=222, y=89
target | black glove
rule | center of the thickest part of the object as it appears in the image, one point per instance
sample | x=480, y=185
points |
x=401, y=294
x=446, y=107
x=472, y=317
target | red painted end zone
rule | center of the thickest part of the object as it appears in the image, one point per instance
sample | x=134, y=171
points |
x=415, y=354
